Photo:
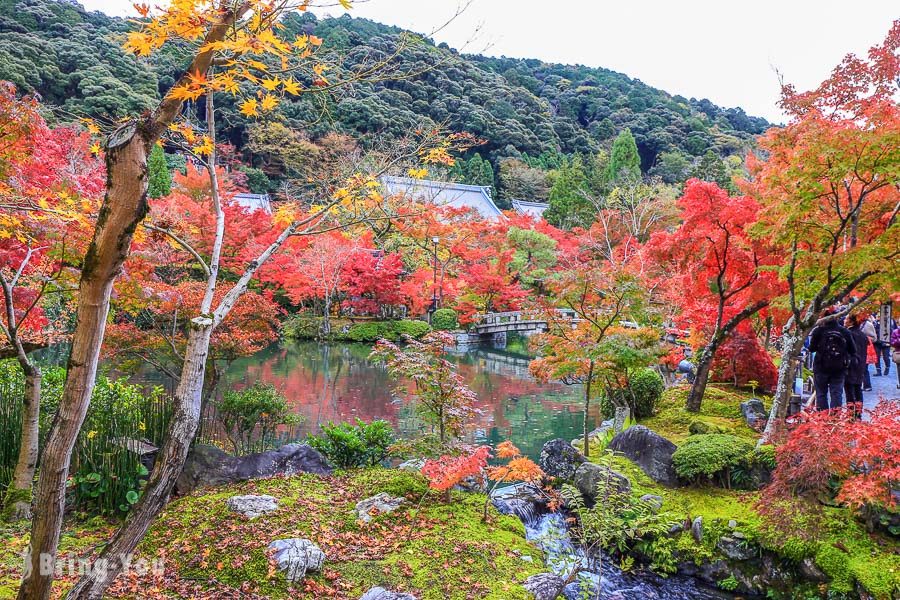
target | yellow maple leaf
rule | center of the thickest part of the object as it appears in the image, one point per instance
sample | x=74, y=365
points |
x=346, y=4
x=249, y=107
x=95, y=148
x=417, y=173
x=290, y=86
x=205, y=148
x=271, y=84
x=269, y=102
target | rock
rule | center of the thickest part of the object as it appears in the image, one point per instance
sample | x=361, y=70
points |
x=734, y=548
x=754, y=413
x=732, y=524
x=378, y=504
x=698, y=427
x=622, y=414
x=648, y=450
x=210, y=466
x=588, y=475
x=413, y=464
x=252, y=506
x=697, y=529
x=559, y=459
x=379, y=593
x=655, y=501
x=527, y=558
x=296, y=556
x=544, y=586
x=810, y=571
x=475, y=484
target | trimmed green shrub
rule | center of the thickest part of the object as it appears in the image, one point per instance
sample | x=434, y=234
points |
x=302, y=327
x=251, y=417
x=348, y=446
x=708, y=456
x=372, y=331
x=444, y=319
x=644, y=389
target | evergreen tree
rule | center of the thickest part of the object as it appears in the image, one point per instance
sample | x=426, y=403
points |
x=568, y=205
x=711, y=168
x=160, y=179
x=624, y=160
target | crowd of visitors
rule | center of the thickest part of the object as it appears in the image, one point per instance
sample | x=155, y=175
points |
x=843, y=350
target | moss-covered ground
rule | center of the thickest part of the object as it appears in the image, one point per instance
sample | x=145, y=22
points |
x=837, y=541
x=430, y=548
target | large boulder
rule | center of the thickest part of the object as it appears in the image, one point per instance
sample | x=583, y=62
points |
x=252, y=506
x=754, y=413
x=296, y=556
x=588, y=475
x=210, y=466
x=379, y=593
x=559, y=459
x=544, y=586
x=648, y=450
x=378, y=504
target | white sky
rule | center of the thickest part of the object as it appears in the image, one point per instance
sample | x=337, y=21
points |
x=696, y=48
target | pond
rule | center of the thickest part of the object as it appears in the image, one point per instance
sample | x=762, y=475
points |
x=337, y=382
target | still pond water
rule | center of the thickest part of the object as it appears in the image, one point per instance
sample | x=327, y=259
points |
x=337, y=382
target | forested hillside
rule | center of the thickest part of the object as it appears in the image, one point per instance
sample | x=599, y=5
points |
x=533, y=116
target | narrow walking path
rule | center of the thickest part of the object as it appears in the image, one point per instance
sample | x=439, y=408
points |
x=884, y=386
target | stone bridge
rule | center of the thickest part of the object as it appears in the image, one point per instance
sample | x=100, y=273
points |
x=495, y=326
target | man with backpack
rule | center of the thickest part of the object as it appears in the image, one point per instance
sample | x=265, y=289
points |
x=834, y=348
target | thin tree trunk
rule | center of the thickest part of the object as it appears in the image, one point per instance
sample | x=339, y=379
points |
x=123, y=208
x=168, y=466
x=587, y=405
x=17, y=503
x=790, y=353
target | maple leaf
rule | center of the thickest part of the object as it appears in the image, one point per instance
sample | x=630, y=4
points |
x=290, y=86
x=271, y=84
x=249, y=107
x=269, y=102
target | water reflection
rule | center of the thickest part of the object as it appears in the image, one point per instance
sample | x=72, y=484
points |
x=336, y=382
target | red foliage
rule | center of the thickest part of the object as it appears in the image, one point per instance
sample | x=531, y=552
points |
x=372, y=280
x=445, y=472
x=832, y=447
x=742, y=359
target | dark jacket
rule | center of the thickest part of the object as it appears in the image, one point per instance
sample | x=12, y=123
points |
x=858, y=366
x=815, y=340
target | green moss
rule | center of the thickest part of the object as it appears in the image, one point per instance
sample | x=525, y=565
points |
x=719, y=413
x=432, y=549
x=708, y=455
x=834, y=563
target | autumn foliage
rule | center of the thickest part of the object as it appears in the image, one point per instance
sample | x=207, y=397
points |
x=833, y=454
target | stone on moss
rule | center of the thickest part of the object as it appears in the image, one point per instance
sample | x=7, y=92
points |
x=648, y=450
x=379, y=504
x=296, y=556
x=544, y=586
x=559, y=459
x=588, y=475
x=379, y=593
x=252, y=505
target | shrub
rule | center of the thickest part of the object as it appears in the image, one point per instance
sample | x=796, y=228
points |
x=251, y=417
x=710, y=455
x=444, y=319
x=698, y=427
x=348, y=446
x=107, y=474
x=302, y=327
x=641, y=395
x=372, y=331
x=742, y=359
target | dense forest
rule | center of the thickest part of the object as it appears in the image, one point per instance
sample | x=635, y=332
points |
x=533, y=116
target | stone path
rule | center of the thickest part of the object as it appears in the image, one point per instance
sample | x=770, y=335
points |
x=884, y=386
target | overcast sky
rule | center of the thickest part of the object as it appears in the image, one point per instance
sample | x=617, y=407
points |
x=696, y=48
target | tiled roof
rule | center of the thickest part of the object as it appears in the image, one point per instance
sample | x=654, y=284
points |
x=445, y=193
x=527, y=207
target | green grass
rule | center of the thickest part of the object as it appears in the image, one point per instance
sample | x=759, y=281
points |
x=433, y=550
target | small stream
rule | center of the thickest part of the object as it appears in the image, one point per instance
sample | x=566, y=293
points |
x=548, y=532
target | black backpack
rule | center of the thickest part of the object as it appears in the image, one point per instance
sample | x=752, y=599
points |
x=833, y=352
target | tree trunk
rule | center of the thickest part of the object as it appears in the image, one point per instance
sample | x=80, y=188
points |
x=587, y=405
x=701, y=377
x=17, y=503
x=169, y=463
x=792, y=344
x=124, y=206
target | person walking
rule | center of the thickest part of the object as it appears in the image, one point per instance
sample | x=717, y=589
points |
x=883, y=348
x=867, y=325
x=833, y=346
x=853, y=383
x=895, y=347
